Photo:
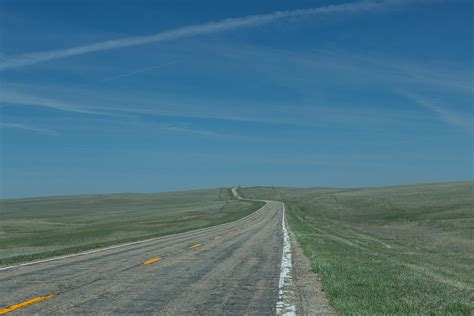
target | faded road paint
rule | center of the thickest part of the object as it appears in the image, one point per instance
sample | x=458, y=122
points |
x=196, y=246
x=284, y=307
x=24, y=304
x=152, y=260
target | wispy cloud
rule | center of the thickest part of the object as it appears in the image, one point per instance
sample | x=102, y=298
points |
x=137, y=107
x=452, y=76
x=198, y=29
x=13, y=97
x=466, y=122
x=290, y=68
x=125, y=107
x=137, y=71
x=186, y=129
x=29, y=128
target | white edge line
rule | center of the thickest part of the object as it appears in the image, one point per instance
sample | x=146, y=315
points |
x=283, y=307
x=131, y=243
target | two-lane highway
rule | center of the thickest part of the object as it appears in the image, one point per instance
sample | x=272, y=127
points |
x=233, y=268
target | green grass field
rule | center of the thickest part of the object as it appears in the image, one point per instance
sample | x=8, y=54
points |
x=393, y=250
x=36, y=228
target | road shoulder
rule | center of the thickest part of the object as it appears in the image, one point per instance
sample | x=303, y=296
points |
x=309, y=296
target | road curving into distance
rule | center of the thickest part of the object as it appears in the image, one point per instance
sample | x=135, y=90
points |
x=233, y=268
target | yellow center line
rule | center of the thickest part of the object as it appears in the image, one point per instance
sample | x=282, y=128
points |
x=152, y=260
x=217, y=237
x=196, y=246
x=24, y=304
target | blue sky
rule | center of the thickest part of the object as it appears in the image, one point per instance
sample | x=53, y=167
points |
x=149, y=96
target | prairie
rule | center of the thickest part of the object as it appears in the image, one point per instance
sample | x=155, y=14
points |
x=391, y=250
x=34, y=228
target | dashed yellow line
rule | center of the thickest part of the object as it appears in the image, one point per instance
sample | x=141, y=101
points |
x=42, y=298
x=24, y=304
x=152, y=260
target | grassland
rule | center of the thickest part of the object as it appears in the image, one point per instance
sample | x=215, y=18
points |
x=393, y=250
x=36, y=228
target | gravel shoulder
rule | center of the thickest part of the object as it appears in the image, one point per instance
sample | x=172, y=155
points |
x=308, y=294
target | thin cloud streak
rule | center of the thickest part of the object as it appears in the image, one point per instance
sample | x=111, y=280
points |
x=187, y=130
x=11, y=97
x=446, y=115
x=195, y=30
x=22, y=99
x=302, y=115
x=452, y=76
x=285, y=67
x=29, y=128
x=18, y=98
x=137, y=71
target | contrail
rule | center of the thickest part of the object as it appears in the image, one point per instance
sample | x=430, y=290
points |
x=137, y=71
x=194, y=30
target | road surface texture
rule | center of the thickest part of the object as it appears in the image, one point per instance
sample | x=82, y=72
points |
x=234, y=268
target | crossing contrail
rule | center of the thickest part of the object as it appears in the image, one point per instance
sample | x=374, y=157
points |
x=137, y=71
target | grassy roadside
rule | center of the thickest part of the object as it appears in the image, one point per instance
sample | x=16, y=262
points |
x=37, y=228
x=394, y=250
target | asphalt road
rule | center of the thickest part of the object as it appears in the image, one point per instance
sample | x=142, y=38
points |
x=228, y=269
